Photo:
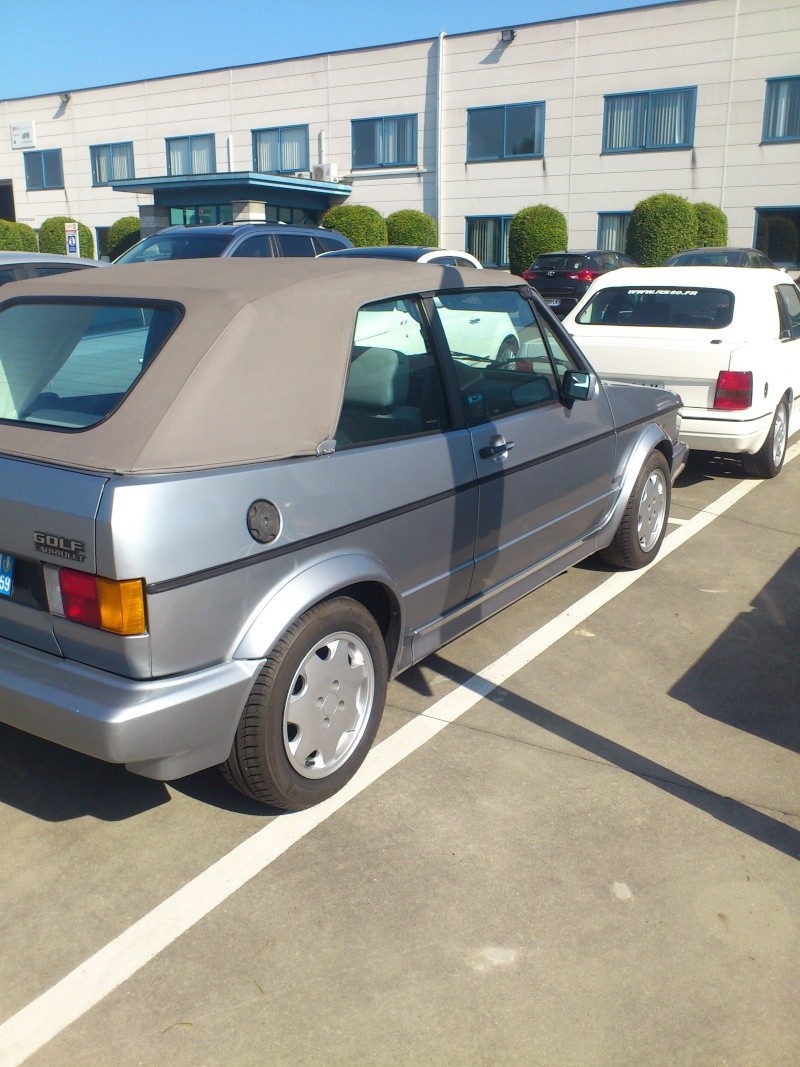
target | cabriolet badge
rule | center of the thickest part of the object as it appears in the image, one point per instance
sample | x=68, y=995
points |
x=63, y=547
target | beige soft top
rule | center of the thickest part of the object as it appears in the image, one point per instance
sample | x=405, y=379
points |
x=254, y=371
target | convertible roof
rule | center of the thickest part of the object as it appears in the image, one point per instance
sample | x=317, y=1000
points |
x=254, y=371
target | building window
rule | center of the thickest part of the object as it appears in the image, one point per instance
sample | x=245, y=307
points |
x=782, y=110
x=649, y=122
x=44, y=170
x=487, y=239
x=612, y=229
x=111, y=162
x=191, y=155
x=510, y=132
x=280, y=150
x=777, y=235
x=388, y=142
x=200, y=215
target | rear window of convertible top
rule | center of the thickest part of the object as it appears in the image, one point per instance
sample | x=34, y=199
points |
x=673, y=306
x=67, y=365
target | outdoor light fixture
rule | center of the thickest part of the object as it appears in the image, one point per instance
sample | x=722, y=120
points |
x=66, y=97
x=507, y=36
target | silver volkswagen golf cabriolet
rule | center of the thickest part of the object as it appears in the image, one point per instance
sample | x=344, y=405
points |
x=238, y=497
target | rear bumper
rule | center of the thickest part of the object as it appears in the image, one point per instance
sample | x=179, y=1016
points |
x=162, y=728
x=709, y=434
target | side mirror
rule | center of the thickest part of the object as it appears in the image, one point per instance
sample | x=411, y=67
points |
x=577, y=385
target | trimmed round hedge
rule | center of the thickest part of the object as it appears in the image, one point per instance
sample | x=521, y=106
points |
x=660, y=226
x=409, y=227
x=532, y=231
x=52, y=237
x=363, y=225
x=28, y=237
x=122, y=235
x=10, y=237
x=712, y=225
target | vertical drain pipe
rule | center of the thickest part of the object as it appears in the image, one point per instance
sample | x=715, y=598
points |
x=439, y=94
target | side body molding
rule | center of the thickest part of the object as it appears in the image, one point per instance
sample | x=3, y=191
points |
x=303, y=590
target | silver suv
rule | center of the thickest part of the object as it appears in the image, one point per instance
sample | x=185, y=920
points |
x=256, y=240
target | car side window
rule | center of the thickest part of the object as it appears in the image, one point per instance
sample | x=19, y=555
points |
x=7, y=275
x=394, y=389
x=500, y=357
x=295, y=244
x=789, y=308
x=255, y=247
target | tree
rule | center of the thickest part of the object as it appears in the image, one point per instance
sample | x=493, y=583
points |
x=660, y=226
x=52, y=237
x=122, y=235
x=363, y=225
x=712, y=225
x=532, y=231
x=411, y=227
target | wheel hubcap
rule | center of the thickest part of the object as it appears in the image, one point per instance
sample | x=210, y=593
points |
x=779, y=436
x=652, y=511
x=329, y=705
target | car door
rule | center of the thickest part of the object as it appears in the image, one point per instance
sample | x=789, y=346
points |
x=545, y=469
x=789, y=352
x=407, y=478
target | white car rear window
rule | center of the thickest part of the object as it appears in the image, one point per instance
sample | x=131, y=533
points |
x=663, y=306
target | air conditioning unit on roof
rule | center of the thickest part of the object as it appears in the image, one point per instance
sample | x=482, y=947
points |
x=325, y=172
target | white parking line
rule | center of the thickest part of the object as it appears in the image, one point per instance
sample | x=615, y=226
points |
x=80, y=990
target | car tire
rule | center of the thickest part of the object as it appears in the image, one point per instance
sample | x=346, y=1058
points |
x=507, y=350
x=644, y=521
x=768, y=461
x=314, y=709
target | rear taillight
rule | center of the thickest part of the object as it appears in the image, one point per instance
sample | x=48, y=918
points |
x=734, y=390
x=529, y=275
x=101, y=603
x=585, y=275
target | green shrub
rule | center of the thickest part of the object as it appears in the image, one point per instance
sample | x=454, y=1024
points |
x=712, y=225
x=532, y=231
x=660, y=226
x=28, y=237
x=363, y=225
x=53, y=239
x=122, y=235
x=10, y=236
x=411, y=227
x=762, y=234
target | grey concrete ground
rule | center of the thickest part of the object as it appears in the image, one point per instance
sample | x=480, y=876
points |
x=596, y=865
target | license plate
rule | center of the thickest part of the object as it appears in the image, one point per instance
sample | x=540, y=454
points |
x=552, y=302
x=6, y=574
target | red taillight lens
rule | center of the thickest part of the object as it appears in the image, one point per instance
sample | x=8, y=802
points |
x=102, y=603
x=734, y=390
x=585, y=275
x=529, y=275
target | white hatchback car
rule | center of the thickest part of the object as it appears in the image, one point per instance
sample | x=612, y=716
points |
x=727, y=339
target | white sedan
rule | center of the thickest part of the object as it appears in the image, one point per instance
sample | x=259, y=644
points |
x=726, y=339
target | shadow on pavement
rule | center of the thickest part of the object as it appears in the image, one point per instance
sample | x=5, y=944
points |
x=749, y=677
x=724, y=809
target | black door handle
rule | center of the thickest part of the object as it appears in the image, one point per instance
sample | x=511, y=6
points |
x=496, y=447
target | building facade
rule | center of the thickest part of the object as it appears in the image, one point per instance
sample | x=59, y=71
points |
x=588, y=114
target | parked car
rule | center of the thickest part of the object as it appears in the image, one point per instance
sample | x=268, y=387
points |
x=727, y=339
x=562, y=278
x=257, y=240
x=17, y=266
x=211, y=553
x=720, y=257
x=445, y=257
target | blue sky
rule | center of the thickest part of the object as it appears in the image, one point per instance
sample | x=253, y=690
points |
x=54, y=45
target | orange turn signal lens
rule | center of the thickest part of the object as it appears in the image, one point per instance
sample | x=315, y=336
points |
x=117, y=607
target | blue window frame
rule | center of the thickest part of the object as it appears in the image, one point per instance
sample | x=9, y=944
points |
x=280, y=150
x=384, y=142
x=111, y=162
x=44, y=170
x=513, y=131
x=191, y=155
x=487, y=239
x=782, y=110
x=649, y=122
